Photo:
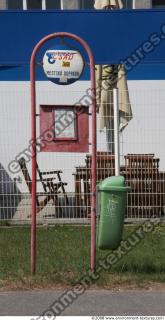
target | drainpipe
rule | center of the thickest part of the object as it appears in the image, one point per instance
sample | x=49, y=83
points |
x=133, y=4
x=62, y=4
x=43, y=4
x=24, y=5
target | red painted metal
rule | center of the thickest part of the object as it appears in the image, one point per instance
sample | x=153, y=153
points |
x=33, y=137
x=80, y=143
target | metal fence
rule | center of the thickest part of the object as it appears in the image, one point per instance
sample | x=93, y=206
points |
x=64, y=179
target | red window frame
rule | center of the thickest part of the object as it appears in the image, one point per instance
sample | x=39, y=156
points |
x=79, y=143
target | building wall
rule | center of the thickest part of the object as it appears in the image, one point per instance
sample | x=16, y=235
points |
x=144, y=134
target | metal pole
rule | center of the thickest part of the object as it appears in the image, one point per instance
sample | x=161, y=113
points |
x=43, y=4
x=33, y=139
x=116, y=132
x=133, y=4
x=34, y=155
x=24, y=4
x=62, y=4
x=94, y=172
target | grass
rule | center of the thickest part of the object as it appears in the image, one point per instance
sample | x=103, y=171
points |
x=63, y=257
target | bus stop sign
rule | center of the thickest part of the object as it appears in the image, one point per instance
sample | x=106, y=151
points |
x=63, y=65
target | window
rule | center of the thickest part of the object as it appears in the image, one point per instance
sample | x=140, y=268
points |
x=158, y=3
x=24, y=4
x=62, y=4
x=14, y=4
x=53, y=4
x=34, y=4
x=86, y=4
x=127, y=4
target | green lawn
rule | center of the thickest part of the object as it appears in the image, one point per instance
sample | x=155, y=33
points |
x=63, y=257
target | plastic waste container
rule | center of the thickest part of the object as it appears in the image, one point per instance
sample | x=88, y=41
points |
x=112, y=196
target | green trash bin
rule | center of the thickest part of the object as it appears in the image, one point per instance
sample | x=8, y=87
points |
x=112, y=196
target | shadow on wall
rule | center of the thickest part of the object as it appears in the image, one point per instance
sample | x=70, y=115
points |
x=10, y=196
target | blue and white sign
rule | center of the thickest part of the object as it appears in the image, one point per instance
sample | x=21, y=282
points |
x=63, y=65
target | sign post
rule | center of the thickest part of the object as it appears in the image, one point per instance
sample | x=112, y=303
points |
x=69, y=62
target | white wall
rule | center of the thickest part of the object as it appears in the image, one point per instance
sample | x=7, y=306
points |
x=144, y=134
x=146, y=131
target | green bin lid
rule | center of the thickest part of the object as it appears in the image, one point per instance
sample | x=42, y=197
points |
x=114, y=184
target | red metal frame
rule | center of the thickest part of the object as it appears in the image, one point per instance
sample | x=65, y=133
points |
x=80, y=143
x=33, y=139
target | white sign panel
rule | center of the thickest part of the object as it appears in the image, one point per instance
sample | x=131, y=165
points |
x=63, y=65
